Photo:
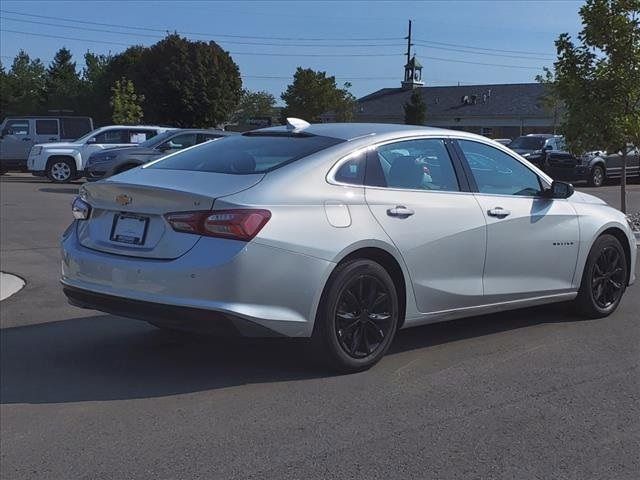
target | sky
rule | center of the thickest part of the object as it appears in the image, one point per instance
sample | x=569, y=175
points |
x=457, y=42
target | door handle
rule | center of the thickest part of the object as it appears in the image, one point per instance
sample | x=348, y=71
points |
x=499, y=212
x=400, y=211
x=26, y=139
x=53, y=139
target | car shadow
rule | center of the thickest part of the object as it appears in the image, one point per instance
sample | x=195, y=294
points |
x=110, y=358
x=69, y=191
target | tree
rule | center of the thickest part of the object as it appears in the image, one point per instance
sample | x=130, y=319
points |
x=254, y=104
x=598, y=80
x=126, y=103
x=551, y=100
x=187, y=83
x=345, y=104
x=23, y=86
x=62, y=83
x=96, y=92
x=313, y=93
x=415, y=110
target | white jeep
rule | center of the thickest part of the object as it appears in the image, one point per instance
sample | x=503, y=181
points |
x=65, y=161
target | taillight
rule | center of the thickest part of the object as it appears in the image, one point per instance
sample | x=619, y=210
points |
x=237, y=224
x=80, y=209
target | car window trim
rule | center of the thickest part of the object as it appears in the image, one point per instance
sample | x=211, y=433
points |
x=458, y=165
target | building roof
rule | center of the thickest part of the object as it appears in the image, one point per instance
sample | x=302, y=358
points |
x=497, y=100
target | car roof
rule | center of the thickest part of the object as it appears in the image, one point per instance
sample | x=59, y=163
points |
x=351, y=131
x=136, y=126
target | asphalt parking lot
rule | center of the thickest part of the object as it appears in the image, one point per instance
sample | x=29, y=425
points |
x=526, y=394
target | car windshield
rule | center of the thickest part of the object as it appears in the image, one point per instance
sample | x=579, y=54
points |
x=528, y=143
x=257, y=152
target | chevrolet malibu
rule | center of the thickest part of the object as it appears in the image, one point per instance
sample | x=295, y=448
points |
x=343, y=233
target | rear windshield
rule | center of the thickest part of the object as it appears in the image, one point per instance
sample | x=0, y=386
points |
x=246, y=154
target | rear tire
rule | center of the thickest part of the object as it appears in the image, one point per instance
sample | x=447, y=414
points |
x=61, y=170
x=597, y=176
x=357, y=317
x=604, y=278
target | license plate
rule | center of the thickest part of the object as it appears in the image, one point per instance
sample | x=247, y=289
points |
x=129, y=229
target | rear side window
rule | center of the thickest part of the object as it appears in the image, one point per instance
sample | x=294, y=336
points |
x=139, y=136
x=352, y=171
x=246, y=154
x=422, y=164
x=47, y=127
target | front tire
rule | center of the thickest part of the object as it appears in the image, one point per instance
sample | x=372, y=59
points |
x=596, y=179
x=604, y=278
x=61, y=170
x=357, y=317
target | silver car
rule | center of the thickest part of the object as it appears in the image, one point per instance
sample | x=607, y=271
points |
x=344, y=233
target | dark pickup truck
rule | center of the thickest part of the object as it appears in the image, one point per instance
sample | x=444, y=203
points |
x=549, y=153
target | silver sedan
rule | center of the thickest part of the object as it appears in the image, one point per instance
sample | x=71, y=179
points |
x=343, y=233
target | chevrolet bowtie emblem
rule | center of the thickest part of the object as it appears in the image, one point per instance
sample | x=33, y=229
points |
x=124, y=199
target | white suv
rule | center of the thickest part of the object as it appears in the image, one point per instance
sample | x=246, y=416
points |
x=65, y=161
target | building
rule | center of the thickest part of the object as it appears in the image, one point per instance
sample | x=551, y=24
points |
x=497, y=111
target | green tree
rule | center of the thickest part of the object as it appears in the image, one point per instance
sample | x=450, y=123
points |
x=187, y=83
x=23, y=86
x=96, y=90
x=254, y=104
x=62, y=83
x=415, y=110
x=126, y=103
x=598, y=80
x=345, y=104
x=313, y=93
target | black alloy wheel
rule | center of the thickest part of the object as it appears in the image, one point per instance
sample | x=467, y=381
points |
x=608, y=277
x=357, y=317
x=604, y=279
x=363, y=316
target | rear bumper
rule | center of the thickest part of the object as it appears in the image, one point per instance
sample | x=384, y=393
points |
x=179, y=318
x=266, y=286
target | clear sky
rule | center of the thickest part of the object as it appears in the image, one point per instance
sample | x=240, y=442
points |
x=359, y=42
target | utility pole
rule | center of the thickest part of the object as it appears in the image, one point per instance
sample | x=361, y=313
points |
x=409, y=44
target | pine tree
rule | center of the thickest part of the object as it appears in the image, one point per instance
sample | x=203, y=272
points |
x=126, y=103
x=62, y=83
x=415, y=110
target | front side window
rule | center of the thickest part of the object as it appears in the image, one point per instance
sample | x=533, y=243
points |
x=422, y=164
x=253, y=152
x=47, y=127
x=17, y=127
x=495, y=172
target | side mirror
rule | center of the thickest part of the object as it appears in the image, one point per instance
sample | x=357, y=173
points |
x=5, y=131
x=560, y=190
x=164, y=147
x=92, y=140
x=547, y=147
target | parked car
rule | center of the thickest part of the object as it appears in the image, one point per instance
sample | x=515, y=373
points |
x=337, y=232
x=106, y=163
x=18, y=134
x=63, y=162
x=603, y=166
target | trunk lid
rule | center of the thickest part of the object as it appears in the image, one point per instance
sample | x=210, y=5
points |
x=127, y=210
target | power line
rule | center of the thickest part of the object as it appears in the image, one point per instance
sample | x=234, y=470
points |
x=165, y=30
x=233, y=42
x=482, y=48
x=288, y=54
x=505, y=55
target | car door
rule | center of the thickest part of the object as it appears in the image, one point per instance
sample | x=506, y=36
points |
x=422, y=202
x=532, y=240
x=17, y=139
x=47, y=130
